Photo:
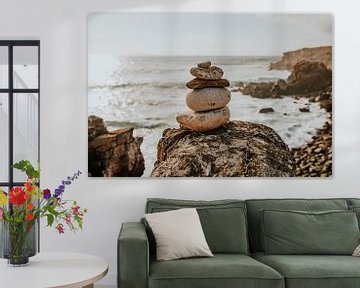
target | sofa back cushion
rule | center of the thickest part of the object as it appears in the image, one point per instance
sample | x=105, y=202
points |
x=223, y=221
x=255, y=206
x=354, y=205
x=298, y=232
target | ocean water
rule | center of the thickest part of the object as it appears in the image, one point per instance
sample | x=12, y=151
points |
x=148, y=92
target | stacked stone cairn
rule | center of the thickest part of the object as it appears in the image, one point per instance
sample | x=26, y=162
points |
x=207, y=100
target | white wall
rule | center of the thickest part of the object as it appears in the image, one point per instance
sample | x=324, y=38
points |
x=61, y=27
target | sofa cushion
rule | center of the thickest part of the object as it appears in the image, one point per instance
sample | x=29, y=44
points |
x=254, y=207
x=356, y=209
x=313, y=271
x=353, y=201
x=178, y=234
x=297, y=232
x=222, y=270
x=223, y=221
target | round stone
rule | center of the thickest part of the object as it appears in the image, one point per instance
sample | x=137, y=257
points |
x=206, y=99
x=205, y=65
x=211, y=73
x=197, y=83
x=204, y=121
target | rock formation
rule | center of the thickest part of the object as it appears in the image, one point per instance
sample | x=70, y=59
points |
x=306, y=77
x=317, y=54
x=236, y=149
x=207, y=100
x=113, y=154
x=266, y=110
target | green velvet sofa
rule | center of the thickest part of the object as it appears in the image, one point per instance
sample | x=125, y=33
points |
x=234, y=232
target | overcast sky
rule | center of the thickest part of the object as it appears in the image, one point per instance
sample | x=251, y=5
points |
x=169, y=34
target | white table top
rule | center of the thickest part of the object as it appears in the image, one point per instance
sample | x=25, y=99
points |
x=45, y=270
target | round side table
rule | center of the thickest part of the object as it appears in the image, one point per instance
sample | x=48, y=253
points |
x=50, y=270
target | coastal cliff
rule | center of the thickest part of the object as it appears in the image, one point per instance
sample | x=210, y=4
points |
x=237, y=149
x=113, y=154
x=317, y=54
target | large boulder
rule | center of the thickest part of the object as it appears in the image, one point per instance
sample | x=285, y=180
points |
x=113, y=154
x=306, y=77
x=237, y=149
x=316, y=54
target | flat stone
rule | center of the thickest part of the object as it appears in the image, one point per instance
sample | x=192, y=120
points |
x=204, y=121
x=197, y=83
x=206, y=99
x=205, y=65
x=211, y=73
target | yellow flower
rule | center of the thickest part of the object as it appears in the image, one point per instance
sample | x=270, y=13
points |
x=3, y=198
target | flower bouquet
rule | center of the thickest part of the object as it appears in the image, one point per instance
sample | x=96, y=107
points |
x=21, y=208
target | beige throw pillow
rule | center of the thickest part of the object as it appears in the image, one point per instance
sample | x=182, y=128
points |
x=178, y=234
x=357, y=251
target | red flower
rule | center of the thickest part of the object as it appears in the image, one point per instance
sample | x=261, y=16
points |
x=17, y=196
x=75, y=209
x=29, y=217
x=29, y=186
x=60, y=228
x=27, y=196
x=29, y=206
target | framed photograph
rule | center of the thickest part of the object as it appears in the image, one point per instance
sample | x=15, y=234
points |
x=210, y=95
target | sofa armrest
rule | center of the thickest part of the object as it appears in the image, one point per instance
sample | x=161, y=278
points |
x=133, y=256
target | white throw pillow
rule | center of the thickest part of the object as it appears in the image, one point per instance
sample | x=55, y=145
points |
x=178, y=234
x=357, y=251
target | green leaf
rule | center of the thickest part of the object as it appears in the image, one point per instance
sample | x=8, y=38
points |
x=26, y=167
x=50, y=219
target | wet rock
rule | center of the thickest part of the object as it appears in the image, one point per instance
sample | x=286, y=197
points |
x=211, y=73
x=115, y=153
x=197, y=83
x=327, y=105
x=266, y=110
x=237, y=149
x=260, y=90
x=207, y=99
x=204, y=121
x=304, y=109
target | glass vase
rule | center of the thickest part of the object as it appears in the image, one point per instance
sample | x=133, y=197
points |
x=18, y=242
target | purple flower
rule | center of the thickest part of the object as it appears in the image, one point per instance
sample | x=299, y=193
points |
x=58, y=192
x=68, y=181
x=46, y=194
